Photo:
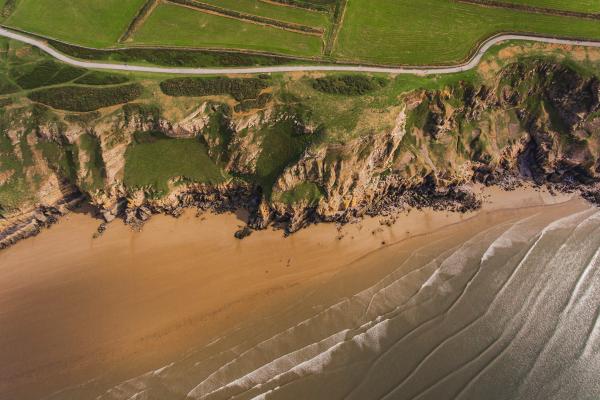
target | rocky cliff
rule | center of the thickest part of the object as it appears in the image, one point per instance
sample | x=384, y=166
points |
x=534, y=119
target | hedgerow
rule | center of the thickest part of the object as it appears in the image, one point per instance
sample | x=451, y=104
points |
x=239, y=89
x=83, y=99
x=348, y=85
x=317, y=5
x=173, y=57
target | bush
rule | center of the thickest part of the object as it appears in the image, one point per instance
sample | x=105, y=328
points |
x=45, y=73
x=348, y=85
x=101, y=78
x=259, y=102
x=239, y=89
x=7, y=87
x=84, y=99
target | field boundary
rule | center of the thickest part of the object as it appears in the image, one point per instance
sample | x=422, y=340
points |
x=339, y=66
x=531, y=9
x=139, y=19
x=299, y=4
x=338, y=20
x=240, y=16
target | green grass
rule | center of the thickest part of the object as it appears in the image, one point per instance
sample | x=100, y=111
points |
x=306, y=192
x=281, y=146
x=97, y=23
x=269, y=10
x=63, y=158
x=96, y=172
x=153, y=159
x=174, y=25
x=586, y=6
x=16, y=189
x=438, y=31
x=101, y=78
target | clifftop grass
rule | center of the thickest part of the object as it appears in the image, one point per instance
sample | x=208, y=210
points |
x=152, y=160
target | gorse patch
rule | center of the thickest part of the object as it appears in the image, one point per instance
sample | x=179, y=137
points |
x=348, y=85
x=83, y=99
x=45, y=73
x=239, y=89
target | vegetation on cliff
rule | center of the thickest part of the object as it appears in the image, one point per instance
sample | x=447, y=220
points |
x=295, y=148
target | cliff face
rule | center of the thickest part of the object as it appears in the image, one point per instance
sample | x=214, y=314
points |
x=536, y=120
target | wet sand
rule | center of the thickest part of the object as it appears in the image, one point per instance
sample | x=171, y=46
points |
x=75, y=309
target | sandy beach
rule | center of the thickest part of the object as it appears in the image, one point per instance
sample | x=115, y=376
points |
x=75, y=308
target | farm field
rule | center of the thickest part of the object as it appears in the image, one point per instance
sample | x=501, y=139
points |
x=371, y=33
x=586, y=6
x=179, y=26
x=401, y=32
x=86, y=22
x=287, y=14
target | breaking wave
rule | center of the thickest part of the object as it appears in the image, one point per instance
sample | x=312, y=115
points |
x=509, y=311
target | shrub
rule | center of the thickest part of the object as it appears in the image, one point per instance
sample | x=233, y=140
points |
x=348, y=85
x=307, y=192
x=317, y=5
x=260, y=102
x=45, y=73
x=7, y=87
x=239, y=89
x=83, y=99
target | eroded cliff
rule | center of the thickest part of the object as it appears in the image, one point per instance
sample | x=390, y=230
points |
x=289, y=165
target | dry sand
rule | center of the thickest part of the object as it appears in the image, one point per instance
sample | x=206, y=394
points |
x=73, y=308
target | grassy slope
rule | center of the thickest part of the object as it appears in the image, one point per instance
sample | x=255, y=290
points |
x=270, y=10
x=589, y=6
x=174, y=25
x=438, y=31
x=154, y=161
x=96, y=23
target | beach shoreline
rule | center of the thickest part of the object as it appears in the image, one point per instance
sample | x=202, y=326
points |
x=76, y=308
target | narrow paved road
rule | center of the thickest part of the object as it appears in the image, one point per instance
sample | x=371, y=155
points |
x=291, y=68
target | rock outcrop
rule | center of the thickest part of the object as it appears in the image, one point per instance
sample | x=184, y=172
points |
x=537, y=120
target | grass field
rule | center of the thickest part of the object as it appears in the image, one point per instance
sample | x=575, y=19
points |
x=97, y=23
x=180, y=26
x=586, y=6
x=438, y=31
x=399, y=32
